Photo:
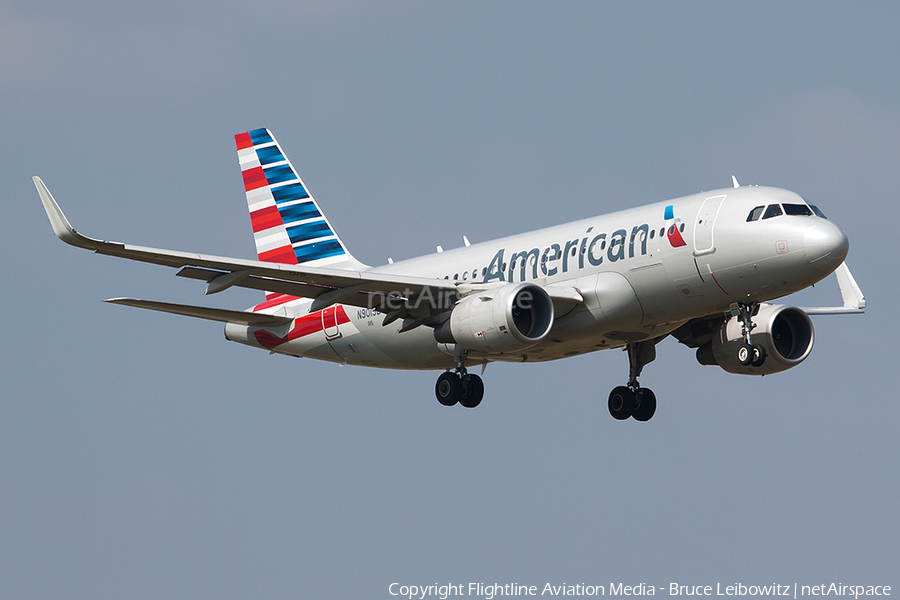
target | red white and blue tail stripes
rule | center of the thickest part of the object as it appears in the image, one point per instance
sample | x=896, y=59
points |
x=288, y=225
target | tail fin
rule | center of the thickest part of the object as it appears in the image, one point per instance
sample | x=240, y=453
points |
x=288, y=225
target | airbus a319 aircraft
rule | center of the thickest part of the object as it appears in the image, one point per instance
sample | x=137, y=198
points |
x=702, y=268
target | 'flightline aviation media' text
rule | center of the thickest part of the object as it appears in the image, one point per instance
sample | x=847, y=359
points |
x=490, y=591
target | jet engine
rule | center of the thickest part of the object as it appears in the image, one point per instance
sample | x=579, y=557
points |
x=503, y=319
x=785, y=333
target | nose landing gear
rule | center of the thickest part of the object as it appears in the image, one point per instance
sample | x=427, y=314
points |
x=633, y=400
x=749, y=353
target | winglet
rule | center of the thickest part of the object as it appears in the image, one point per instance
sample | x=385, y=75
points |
x=854, y=301
x=850, y=293
x=61, y=226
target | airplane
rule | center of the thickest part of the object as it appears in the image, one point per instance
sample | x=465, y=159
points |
x=702, y=268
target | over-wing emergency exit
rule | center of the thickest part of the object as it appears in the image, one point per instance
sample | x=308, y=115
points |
x=703, y=268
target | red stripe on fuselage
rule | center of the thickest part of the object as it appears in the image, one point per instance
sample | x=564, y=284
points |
x=274, y=300
x=305, y=325
x=719, y=284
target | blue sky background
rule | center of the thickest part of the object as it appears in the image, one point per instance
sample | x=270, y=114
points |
x=142, y=456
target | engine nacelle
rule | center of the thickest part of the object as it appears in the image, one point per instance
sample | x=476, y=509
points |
x=504, y=319
x=785, y=332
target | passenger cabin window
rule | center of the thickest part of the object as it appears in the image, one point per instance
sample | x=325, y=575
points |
x=797, y=210
x=818, y=212
x=774, y=210
x=755, y=213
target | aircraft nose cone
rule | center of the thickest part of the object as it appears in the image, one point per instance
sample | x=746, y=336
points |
x=826, y=245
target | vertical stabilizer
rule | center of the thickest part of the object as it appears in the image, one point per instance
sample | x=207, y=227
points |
x=288, y=225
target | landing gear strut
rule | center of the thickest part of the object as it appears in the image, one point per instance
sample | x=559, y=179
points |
x=633, y=400
x=749, y=353
x=459, y=386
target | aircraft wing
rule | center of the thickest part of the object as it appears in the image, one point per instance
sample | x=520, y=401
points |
x=326, y=286
x=338, y=286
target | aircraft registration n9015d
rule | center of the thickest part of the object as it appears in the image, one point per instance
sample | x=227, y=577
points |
x=702, y=268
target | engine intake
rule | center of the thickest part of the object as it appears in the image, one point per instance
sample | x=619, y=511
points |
x=504, y=319
x=786, y=333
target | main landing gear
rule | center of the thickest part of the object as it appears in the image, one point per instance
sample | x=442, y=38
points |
x=633, y=400
x=466, y=389
x=459, y=386
x=749, y=353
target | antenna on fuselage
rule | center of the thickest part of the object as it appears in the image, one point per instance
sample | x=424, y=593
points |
x=466, y=241
x=734, y=180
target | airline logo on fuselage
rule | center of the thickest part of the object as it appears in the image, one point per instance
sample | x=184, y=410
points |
x=672, y=229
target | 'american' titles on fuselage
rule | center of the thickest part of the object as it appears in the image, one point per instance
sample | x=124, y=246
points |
x=556, y=258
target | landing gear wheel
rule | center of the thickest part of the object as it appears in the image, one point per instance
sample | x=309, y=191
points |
x=645, y=401
x=448, y=388
x=632, y=400
x=621, y=402
x=758, y=355
x=745, y=354
x=472, y=391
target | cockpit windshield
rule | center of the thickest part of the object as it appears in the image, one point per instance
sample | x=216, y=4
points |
x=818, y=212
x=800, y=210
x=754, y=214
x=776, y=210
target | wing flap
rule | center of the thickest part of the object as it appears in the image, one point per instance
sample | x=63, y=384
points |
x=255, y=282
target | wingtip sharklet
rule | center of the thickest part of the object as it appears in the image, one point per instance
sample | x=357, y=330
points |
x=851, y=295
x=61, y=226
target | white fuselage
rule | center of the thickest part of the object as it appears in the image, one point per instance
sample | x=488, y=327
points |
x=642, y=272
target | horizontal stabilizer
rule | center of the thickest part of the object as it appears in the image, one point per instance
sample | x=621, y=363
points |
x=202, y=312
